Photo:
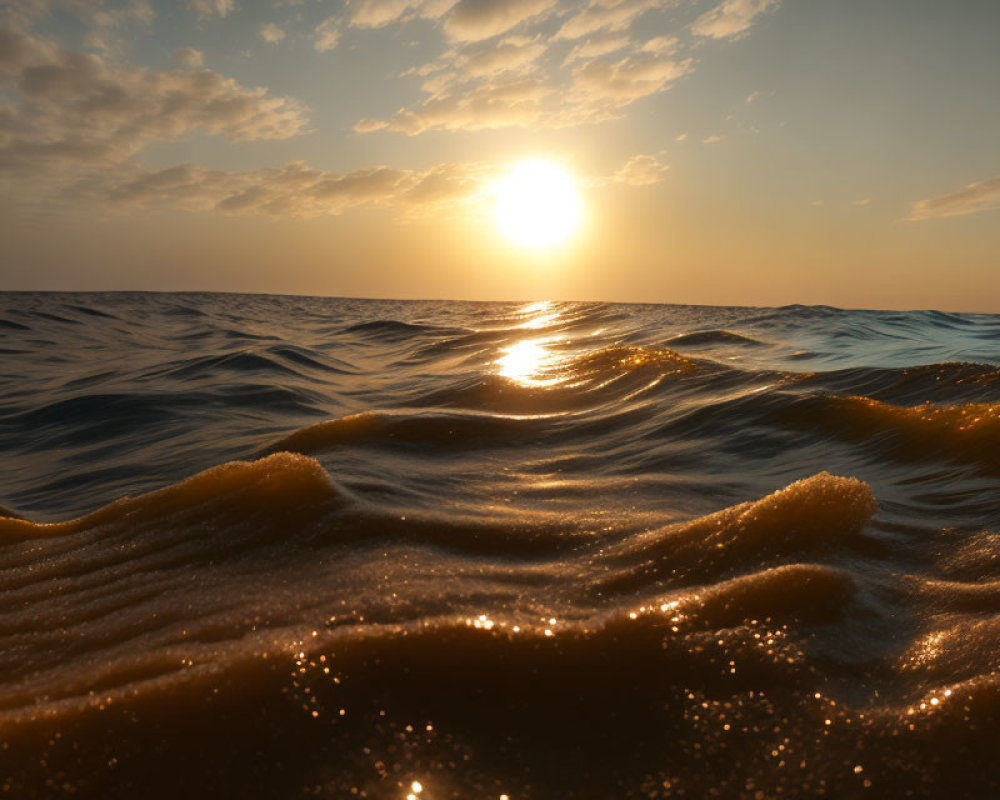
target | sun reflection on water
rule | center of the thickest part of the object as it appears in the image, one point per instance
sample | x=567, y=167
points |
x=533, y=362
x=523, y=361
x=539, y=315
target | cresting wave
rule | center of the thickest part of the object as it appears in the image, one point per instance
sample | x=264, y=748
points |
x=287, y=507
x=294, y=547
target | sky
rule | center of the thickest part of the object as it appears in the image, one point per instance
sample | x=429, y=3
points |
x=726, y=152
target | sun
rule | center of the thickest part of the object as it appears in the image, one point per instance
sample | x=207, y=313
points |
x=537, y=204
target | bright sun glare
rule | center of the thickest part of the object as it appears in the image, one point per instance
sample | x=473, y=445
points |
x=537, y=204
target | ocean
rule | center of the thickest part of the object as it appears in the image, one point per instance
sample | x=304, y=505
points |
x=287, y=547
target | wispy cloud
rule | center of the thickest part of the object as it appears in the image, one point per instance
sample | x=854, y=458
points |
x=378, y=13
x=596, y=46
x=731, y=18
x=271, y=33
x=607, y=15
x=597, y=90
x=970, y=199
x=473, y=20
x=189, y=57
x=509, y=55
x=78, y=108
x=610, y=86
x=103, y=21
x=327, y=35
x=298, y=190
x=496, y=104
x=642, y=170
x=294, y=190
x=592, y=69
x=212, y=8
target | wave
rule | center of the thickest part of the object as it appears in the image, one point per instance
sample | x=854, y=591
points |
x=270, y=361
x=621, y=359
x=284, y=483
x=90, y=311
x=262, y=593
x=541, y=550
x=372, y=429
x=334, y=682
x=963, y=433
x=809, y=514
x=713, y=337
x=948, y=381
x=394, y=330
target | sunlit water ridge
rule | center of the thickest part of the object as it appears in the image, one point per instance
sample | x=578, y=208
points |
x=286, y=547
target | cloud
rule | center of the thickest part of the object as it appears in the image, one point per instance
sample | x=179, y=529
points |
x=970, y=199
x=641, y=170
x=510, y=55
x=530, y=79
x=327, y=35
x=715, y=138
x=20, y=52
x=607, y=15
x=78, y=108
x=21, y=15
x=294, y=190
x=660, y=45
x=377, y=13
x=597, y=46
x=479, y=62
x=731, y=18
x=298, y=190
x=620, y=83
x=101, y=20
x=212, y=8
x=468, y=92
x=496, y=104
x=271, y=33
x=472, y=20
x=189, y=57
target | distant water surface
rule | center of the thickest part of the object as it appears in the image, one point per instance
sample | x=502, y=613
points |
x=284, y=547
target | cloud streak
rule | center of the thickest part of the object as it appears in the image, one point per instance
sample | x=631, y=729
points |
x=506, y=85
x=297, y=190
x=294, y=190
x=271, y=33
x=327, y=35
x=212, y=8
x=641, y=170
x=189, y=57
x=378, y=13
x=496, y=104
x=565, y=67
x=473, y=20
x=731, y=18
x=970, y=199
x=607, y=15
